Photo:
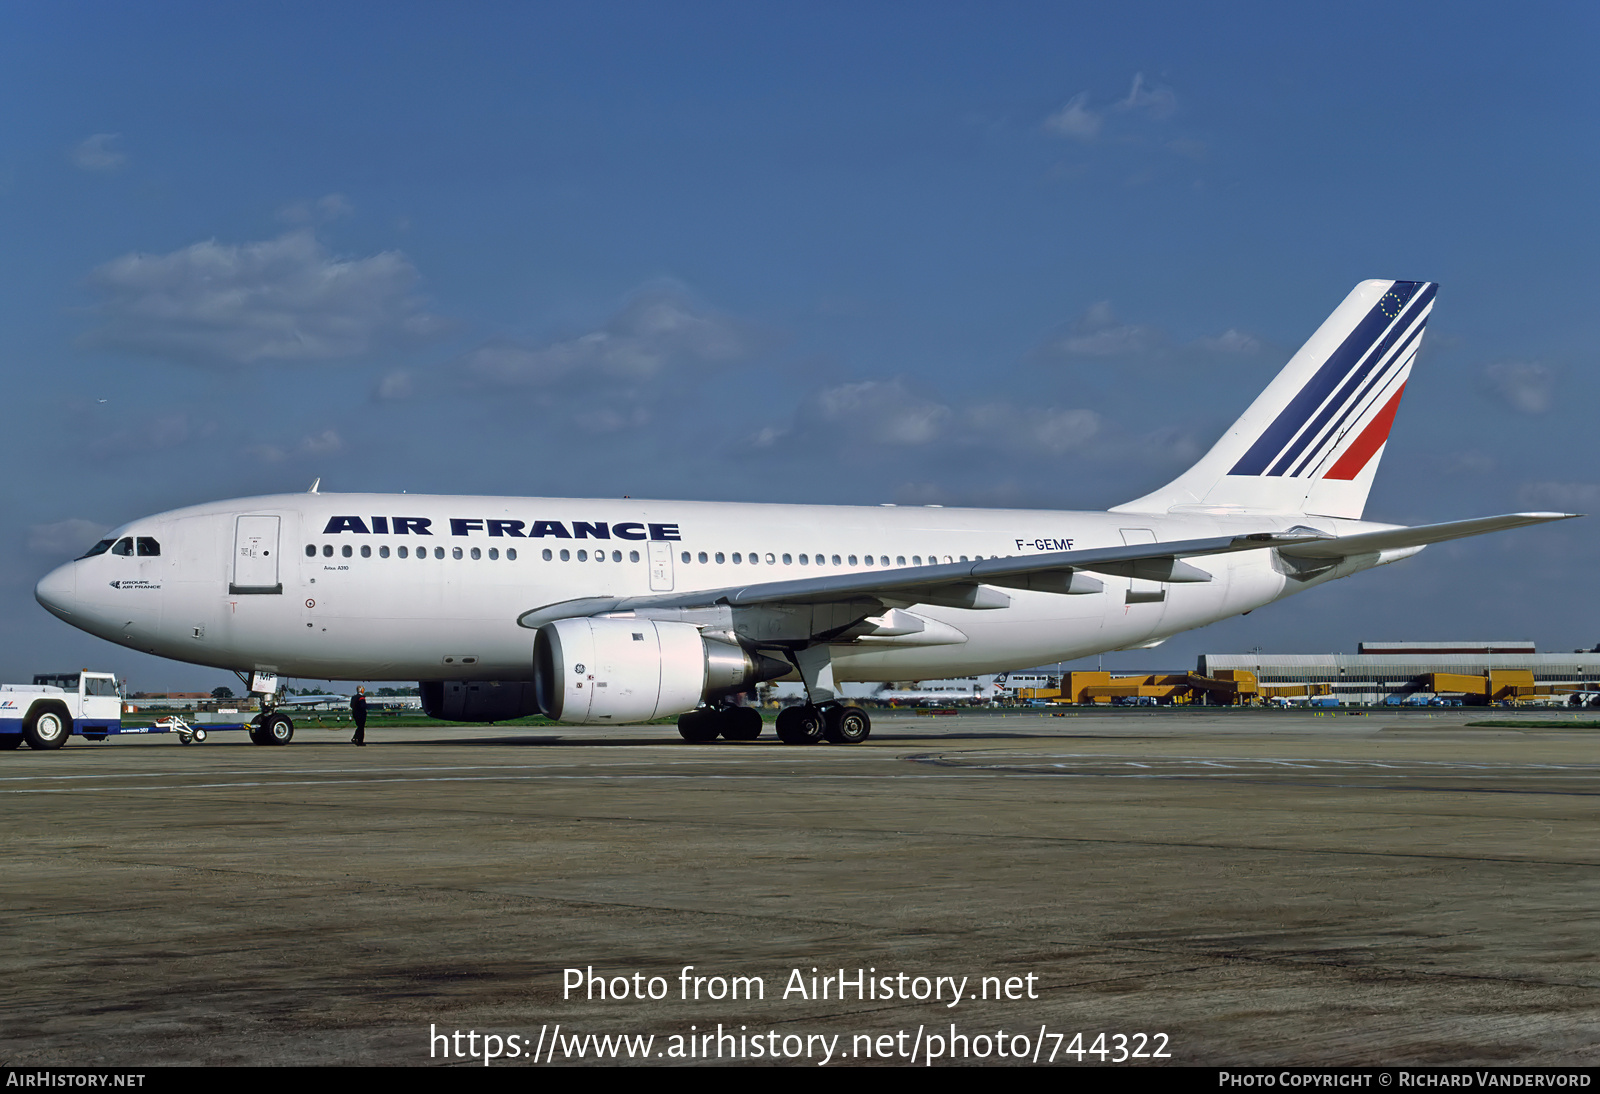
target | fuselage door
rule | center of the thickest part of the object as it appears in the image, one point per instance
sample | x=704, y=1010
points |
x=1140, y=590
x=255, y=556
x=660, y=567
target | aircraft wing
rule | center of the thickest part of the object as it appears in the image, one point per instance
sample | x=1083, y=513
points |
x=1420, y=535
x=950, y=584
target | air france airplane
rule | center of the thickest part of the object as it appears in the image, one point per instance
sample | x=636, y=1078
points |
x=607, y=611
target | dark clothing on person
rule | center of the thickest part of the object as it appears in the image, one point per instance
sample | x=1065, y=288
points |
x=358, y=710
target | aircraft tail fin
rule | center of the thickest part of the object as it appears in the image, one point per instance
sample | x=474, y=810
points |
x=1311, y=441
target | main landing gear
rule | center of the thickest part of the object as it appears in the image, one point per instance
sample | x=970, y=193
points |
x=808, y=724
x=801, y=725
x=729, y=723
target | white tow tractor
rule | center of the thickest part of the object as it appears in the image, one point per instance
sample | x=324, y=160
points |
x=54, y=707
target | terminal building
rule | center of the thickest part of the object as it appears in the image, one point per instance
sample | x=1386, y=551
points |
x=1402, y=672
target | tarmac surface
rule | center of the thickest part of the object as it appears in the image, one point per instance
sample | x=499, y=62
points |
x=1254, y=888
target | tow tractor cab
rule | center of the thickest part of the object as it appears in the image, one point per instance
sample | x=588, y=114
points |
x=56, y=705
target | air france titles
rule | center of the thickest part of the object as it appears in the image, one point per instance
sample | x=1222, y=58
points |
x=514, y=529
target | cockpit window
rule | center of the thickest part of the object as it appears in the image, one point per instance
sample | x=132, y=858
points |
x=123, y=546
x=147, y=546
x=98, y=549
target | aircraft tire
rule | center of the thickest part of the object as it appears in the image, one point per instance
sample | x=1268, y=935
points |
x=277, y=730
x=800, y=725
x=698, y=726
x=847, y=725
x=48, y=729
x=741, y=724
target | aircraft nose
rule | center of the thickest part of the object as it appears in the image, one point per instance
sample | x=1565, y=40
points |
x=58, y=590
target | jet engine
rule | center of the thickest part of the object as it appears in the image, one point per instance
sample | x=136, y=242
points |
x=599, y=671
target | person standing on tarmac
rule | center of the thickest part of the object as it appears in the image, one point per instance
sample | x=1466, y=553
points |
x=358, y=711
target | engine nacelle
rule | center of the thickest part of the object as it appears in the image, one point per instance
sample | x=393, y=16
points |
x=478, y=700
x=616, y=671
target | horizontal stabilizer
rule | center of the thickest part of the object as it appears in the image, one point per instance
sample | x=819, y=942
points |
x=1393, y=539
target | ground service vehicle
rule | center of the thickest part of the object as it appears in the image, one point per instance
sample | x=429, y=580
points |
x=54, y=707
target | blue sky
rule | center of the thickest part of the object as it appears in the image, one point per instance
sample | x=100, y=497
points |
x=1031, y=255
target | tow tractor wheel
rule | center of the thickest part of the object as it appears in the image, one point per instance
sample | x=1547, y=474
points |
x=800, y=725
x=277, y=730
x=699, y=725
x=847, y=725
x=740, y=723
x=49, y=729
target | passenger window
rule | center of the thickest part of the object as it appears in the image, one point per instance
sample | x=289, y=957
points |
x=720, y=558
x=583, y=556
x=383, y=552
x=366, y=550
x=736, y=557
x=899, y=560
x=511, y=553
x=702, y=556
x=147, y=546
x=852, y=560
x=684, y=556
x=772, y=559
x=803, y=560
x=788, y=560
x=884, y=560
x=438, y=552
x=616, y=556
x=836, y=560
x=548, y=555
x=455, y=552
x=869, y=560
x=566, y=555
x=476, y=553
x=633, y=556
x=311, y=550
x=402, y=552
x=916, y=560
x=494, y=553
x=124, y=547
x=346, y=551
x=327, y=550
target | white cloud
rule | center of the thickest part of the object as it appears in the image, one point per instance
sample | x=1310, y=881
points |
x=1082, y=122
x=1098, y=334
x=142, y=436
x=327, y=208
x=889, y=413
x=97, y=154
x=64, y=538
x=1230, y=341
x=1563, y=497
x=883, y=412
x=1524, y=385
x=394, y=387
x=1157, y=101
x=283, y=299
x=658, y=330
x=326, y=443
x=1076, y=119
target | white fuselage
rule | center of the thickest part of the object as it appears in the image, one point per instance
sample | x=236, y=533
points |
x=315, y=585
